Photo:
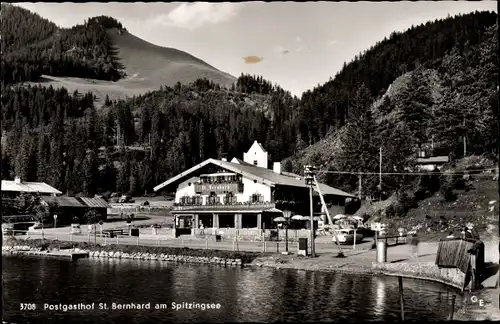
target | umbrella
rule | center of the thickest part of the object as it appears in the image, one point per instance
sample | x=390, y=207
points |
x=298, y=217
x=280, y=219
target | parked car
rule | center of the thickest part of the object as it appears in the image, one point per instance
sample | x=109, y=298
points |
x=346, y=236
x=125, y=199
x=36, y=226
x=75, y=229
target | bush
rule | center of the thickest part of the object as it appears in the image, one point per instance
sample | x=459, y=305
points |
x=448, y=193
x=399, y=210
x=459, y=183
x=390, y=211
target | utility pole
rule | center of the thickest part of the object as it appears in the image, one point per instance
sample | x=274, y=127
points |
x=465, y=141
x=309, y=178
x=380, y=170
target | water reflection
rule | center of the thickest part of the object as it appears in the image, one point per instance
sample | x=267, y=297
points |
x=261, y=295
x=380, y=289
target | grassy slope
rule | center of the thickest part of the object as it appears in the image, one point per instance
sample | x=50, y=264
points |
x=147, y=66
x=478, y=205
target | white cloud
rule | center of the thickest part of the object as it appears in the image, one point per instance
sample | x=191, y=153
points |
x=195, y=15
x=334, y=42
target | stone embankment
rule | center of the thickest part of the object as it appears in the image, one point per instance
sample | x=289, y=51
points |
x=117, y=254
x=165, y=257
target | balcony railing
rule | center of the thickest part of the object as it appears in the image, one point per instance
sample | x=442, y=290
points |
x=207, y=188
x=235, y=206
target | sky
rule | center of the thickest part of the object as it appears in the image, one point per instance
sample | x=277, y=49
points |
x=297, y=45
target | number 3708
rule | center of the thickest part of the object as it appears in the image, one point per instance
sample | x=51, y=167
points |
x=27, y=306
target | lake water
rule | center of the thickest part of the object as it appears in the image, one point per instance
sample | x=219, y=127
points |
x=244, y=295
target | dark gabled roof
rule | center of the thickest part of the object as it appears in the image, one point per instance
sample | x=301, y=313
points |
x=64, y=201
x=263, y=175
x=83, y=202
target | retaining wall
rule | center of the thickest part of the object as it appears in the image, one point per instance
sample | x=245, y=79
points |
x=20, y=249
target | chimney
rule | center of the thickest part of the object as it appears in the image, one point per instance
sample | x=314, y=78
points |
x=277, y=167
x=17, y=180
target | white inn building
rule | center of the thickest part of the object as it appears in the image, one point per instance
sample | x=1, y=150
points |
x=244, y=194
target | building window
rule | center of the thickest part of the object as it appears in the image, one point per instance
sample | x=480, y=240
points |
x=255, y=198
x=229, y=199
x=185, y=200
x=213, y=199
x=254, y=162
x=198, y=200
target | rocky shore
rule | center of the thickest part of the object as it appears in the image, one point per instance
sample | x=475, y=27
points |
x=27, y=250
x=180, y=255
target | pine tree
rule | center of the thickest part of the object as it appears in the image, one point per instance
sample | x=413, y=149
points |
x=414, y=103
x=145, y=124
x=43, y=158
x=91, y=181
x=133, y=181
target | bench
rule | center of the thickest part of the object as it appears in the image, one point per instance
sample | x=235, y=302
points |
x=113, y=233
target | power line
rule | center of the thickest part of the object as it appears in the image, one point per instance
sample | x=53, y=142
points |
x=409, y=173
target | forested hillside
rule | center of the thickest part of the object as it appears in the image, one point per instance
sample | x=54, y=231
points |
x=433, y=106
x=32, y=46
x=445, y=74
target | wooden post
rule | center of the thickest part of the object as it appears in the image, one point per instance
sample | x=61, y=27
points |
x=137, y=240
x=401, y=298
x=452, y=309
x=117, y=239
x=206, y=244
x=265, y=247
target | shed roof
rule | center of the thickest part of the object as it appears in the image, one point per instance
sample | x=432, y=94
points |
x=95, y=202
